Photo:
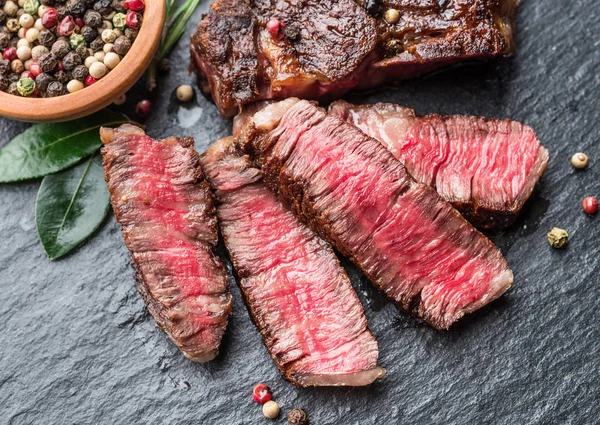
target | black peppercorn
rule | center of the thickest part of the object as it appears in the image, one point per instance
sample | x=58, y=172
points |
x=13, y=78
x=89, y=33
x=49, y=3
x=97, y=44
x=46, y=38
x=60, y=48
x=131, y=33
x=102, y=6
x=42, y=81
x=54, y=89
x=82, y=51
x=122, y=45
x=48, y=62
x=297, y=417
x=76, y=7
x=118, y=6
x=4, y=83
x=71, y=60
x=62, y=11
x=92, y=19
x=4, y=66
x=80, y=72
x=12, y=89
x=61, y=77
x=2, y=17
x=14, y=41
x=163, y=67
x=4, y=40
x=292, y=32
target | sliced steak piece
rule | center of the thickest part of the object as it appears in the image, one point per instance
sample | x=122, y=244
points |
x=165, y=210
x=486, y=168
x=325, y=48
x=300, y=297
x=321, y=51
x=412, y=244
x=435, y=33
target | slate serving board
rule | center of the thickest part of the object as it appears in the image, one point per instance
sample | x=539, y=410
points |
x=77, y=346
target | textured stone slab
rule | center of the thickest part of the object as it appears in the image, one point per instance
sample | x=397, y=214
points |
x=77, y=346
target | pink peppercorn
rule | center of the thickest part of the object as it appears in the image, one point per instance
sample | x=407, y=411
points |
x=26, y=74
x=590, y=205
x=135, y=5
x=10, y=53
x=35, y=69
x=79, y=22
x=50, y=18
x=262, y=393
x=276, y=27
x=89, y=80
x=133, y=19
x=67, y=26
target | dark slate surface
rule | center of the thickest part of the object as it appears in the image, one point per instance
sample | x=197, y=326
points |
x=77, y=345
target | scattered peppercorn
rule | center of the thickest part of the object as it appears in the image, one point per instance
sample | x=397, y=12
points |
x=142, y=109
x=558, y=238
x=164, y=67
x=590, y=205
x=579, y=160
x=261, y=393
x=392, y=16
x=297, y=417
x=276, y=28
x=271, y=409
x=120, y=100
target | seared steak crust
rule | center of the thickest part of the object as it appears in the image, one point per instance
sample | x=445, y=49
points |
x=164, y=206
x=487, y=168
x=298, y=294
x=414, y=246
x=330, y=47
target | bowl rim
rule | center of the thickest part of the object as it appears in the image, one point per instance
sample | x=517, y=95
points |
x=91, y=99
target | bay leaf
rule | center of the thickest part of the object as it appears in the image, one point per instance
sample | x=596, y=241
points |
x=70, y=206
x=44, y=149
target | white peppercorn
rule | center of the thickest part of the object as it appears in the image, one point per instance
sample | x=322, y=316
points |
x=271, y=409
x=99, y=55
x=10, y=8
x=89, y=61
x=108, y=47
x=185, y=93
x=98, y=70
x=74, y=85
x=109, y=36
x=120, y=100
x=26, y=20
x=111, y=60
x=32, y=35
x=23, y=42
x=24, y=53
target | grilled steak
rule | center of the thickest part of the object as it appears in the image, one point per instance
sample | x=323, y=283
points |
x=165, y=210
x=487, y=169
x=300, y=297
x=323, y=49
x=411, y=243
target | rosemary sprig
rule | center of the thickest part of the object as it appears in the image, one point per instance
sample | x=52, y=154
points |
x=175, y=23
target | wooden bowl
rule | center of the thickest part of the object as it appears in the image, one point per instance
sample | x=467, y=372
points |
x=102, y=93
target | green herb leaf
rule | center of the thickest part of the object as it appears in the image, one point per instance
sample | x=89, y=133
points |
x=177, y=26
x=70, y=206
x=47, y=148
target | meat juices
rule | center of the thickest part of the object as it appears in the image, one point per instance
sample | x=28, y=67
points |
x=327, y=48
x=412, y=244
x=486, y=169
x=298, y=294
x=165, y=210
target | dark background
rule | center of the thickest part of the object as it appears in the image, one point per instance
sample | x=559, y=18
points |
x=77, y=346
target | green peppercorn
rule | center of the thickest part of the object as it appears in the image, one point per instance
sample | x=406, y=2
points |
x=60, y=48
x=122, y=45
x=89, y=33
x=80, y=72
x=119, y=21
x=25, y=86
x=42, y=81
x=13, y=25
x=71, y=60
x=46, y=38
x=92, y=19
x=62, y=77
x=48, y=62
x=4, y=40
x=31, y=6
x=76, y=40
x=55, y=89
